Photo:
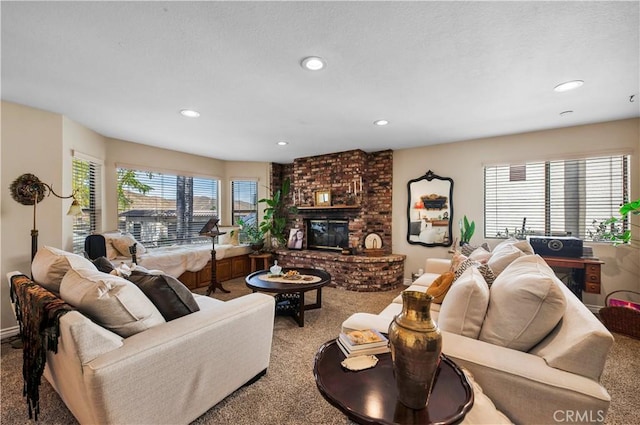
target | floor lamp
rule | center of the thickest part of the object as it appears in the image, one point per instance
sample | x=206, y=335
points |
x=29, y=190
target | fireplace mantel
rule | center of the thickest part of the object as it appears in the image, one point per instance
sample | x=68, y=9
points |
x=330, y=207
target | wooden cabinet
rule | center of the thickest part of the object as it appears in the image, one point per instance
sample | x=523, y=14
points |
x=226, y=269
x=585, y=271
x=592, y=278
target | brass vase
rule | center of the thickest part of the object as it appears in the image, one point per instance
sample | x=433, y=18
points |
x=416, y=344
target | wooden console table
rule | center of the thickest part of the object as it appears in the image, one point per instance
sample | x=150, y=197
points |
x=585, y=273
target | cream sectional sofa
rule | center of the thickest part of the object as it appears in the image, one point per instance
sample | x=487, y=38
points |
x=556, y=380
x=152, y=371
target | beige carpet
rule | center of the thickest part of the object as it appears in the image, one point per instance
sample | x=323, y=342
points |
x=287, y=394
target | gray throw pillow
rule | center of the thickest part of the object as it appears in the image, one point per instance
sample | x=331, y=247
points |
x=103, y=264
x=167, y=293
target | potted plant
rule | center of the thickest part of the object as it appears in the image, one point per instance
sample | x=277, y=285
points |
x=276, y=213
x=611, y=229
x=466, y=230
x=254, y=234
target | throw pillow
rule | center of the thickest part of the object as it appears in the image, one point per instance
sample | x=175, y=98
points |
x=457, y=259
x=484, y=269
x=464, y=308
x=167, y=293
x=123, y=243
x=526, y=303
x=50, y=265
x=480, y=255
x=505, y=253
x=112, y=252
x=440, y=286
x=103, y=264
x=466, y=249
x=110, y=301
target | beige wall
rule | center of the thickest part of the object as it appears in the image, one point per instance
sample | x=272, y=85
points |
x=464, y=161
x=42, y=143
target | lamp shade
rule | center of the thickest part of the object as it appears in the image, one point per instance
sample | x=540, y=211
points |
x=75, y=208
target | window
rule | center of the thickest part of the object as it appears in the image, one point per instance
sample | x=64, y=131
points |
x=244, y=203
x=163, y=209
x=87, y=186
x=554, y=198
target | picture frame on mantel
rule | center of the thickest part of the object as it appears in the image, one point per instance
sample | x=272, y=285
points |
x=323, y=198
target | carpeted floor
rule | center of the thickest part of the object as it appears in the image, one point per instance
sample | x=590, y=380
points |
x=287, y=394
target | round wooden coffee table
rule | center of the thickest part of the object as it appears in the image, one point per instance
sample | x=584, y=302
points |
x=290, y=296
x=370, y=396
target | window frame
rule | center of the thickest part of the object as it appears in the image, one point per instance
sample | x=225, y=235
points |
x=94, y=198
x=565, y=180
x=171, y=225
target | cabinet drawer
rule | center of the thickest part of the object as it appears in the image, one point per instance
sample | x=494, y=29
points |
x=592, y=273
x=592, y=288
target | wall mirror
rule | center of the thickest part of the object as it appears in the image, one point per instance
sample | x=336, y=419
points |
x=430, y=210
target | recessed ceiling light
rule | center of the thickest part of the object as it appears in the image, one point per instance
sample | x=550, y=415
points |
x=189, y=113
x=313, y=63
x=381, y=122
x=565, y=113
x=569, y=85
x=282, y=143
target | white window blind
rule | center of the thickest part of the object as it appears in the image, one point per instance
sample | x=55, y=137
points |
x=161, y=209
x=244, y=201
x=554, y=198
x=87, y=186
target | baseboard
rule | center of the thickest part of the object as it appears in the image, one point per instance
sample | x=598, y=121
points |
x=9, y=332
x=593, y=308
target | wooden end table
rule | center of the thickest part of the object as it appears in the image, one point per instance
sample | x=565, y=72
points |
x=292, y=292
x=370, y=396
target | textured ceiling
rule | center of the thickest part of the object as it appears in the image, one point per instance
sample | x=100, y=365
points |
x=438, y=71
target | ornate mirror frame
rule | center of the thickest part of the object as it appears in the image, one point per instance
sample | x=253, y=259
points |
x=430, y=210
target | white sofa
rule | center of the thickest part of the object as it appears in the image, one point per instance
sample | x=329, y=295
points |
x=555, y=381
x=170, y=373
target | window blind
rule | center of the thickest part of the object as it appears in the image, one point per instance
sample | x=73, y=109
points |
x=554, y=198
x=163, y=209
x=244, y=201
x=87, y=186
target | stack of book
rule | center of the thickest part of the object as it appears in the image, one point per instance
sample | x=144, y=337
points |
x=362, y=342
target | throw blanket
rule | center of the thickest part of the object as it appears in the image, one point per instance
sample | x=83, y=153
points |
x=38, y=312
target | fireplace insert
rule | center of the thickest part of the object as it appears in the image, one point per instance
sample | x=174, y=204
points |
x=327, y=234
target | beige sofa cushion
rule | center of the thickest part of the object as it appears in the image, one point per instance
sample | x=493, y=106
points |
x=463, y=309
x=526, y=303
x=51, y=264
x=506, y=252
x=579, y=343
x=110, y=301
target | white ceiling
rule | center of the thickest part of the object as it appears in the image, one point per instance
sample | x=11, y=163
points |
x=438, y=71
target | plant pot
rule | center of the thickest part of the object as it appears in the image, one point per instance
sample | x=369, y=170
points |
x=257, y=246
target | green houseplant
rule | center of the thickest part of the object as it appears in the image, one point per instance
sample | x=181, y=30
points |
x=254, y=234
x=274, y=221
x=611, y=229
x=466, y=230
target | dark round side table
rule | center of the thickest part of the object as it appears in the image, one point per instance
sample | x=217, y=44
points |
x=370, y=396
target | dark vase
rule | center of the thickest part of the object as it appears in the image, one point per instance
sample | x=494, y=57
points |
x=416, y=344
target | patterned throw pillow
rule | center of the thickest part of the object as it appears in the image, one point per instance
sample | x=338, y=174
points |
x=467, y=249
x=484, y=270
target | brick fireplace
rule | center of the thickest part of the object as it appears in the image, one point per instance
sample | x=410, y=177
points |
x=360, y=185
